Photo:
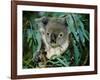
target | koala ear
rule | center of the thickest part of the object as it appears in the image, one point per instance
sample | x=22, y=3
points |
x=44, y=20
x=41, y=22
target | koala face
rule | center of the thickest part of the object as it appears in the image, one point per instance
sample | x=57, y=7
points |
x=56, y=33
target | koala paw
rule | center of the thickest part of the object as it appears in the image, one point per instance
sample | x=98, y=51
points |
x=36, y=58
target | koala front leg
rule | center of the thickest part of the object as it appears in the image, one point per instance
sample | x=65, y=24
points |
x=44, y=45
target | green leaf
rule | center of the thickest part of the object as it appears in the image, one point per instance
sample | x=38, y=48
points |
x=71, y=26
x=30, y=43
x=76, y=54
x=62, y=62
x=81, y=36
x=86, y=35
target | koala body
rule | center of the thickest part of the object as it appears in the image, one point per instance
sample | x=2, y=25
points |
x=54, y=35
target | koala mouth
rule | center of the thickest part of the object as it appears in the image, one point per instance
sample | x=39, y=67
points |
x=53, y=44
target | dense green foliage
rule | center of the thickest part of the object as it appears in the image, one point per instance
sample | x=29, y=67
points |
x=78, y=52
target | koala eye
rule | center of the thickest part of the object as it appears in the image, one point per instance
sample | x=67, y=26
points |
x=60, y=34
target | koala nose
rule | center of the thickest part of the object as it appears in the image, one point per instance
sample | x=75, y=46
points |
x=53, y=38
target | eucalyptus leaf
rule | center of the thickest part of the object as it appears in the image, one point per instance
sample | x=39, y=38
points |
x=71, y=26
x=76, y=54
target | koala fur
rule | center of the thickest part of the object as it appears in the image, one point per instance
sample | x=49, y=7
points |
x=55, y=35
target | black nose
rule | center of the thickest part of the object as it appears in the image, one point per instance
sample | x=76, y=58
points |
x=53, y=38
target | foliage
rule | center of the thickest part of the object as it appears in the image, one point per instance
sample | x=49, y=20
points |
x=78, y=52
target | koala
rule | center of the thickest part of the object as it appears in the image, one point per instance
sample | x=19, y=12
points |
x=54, y=34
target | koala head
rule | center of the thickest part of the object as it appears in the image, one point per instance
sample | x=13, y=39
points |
x=56, y=31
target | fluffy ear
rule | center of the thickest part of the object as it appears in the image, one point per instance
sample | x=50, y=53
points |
x=43, y=20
